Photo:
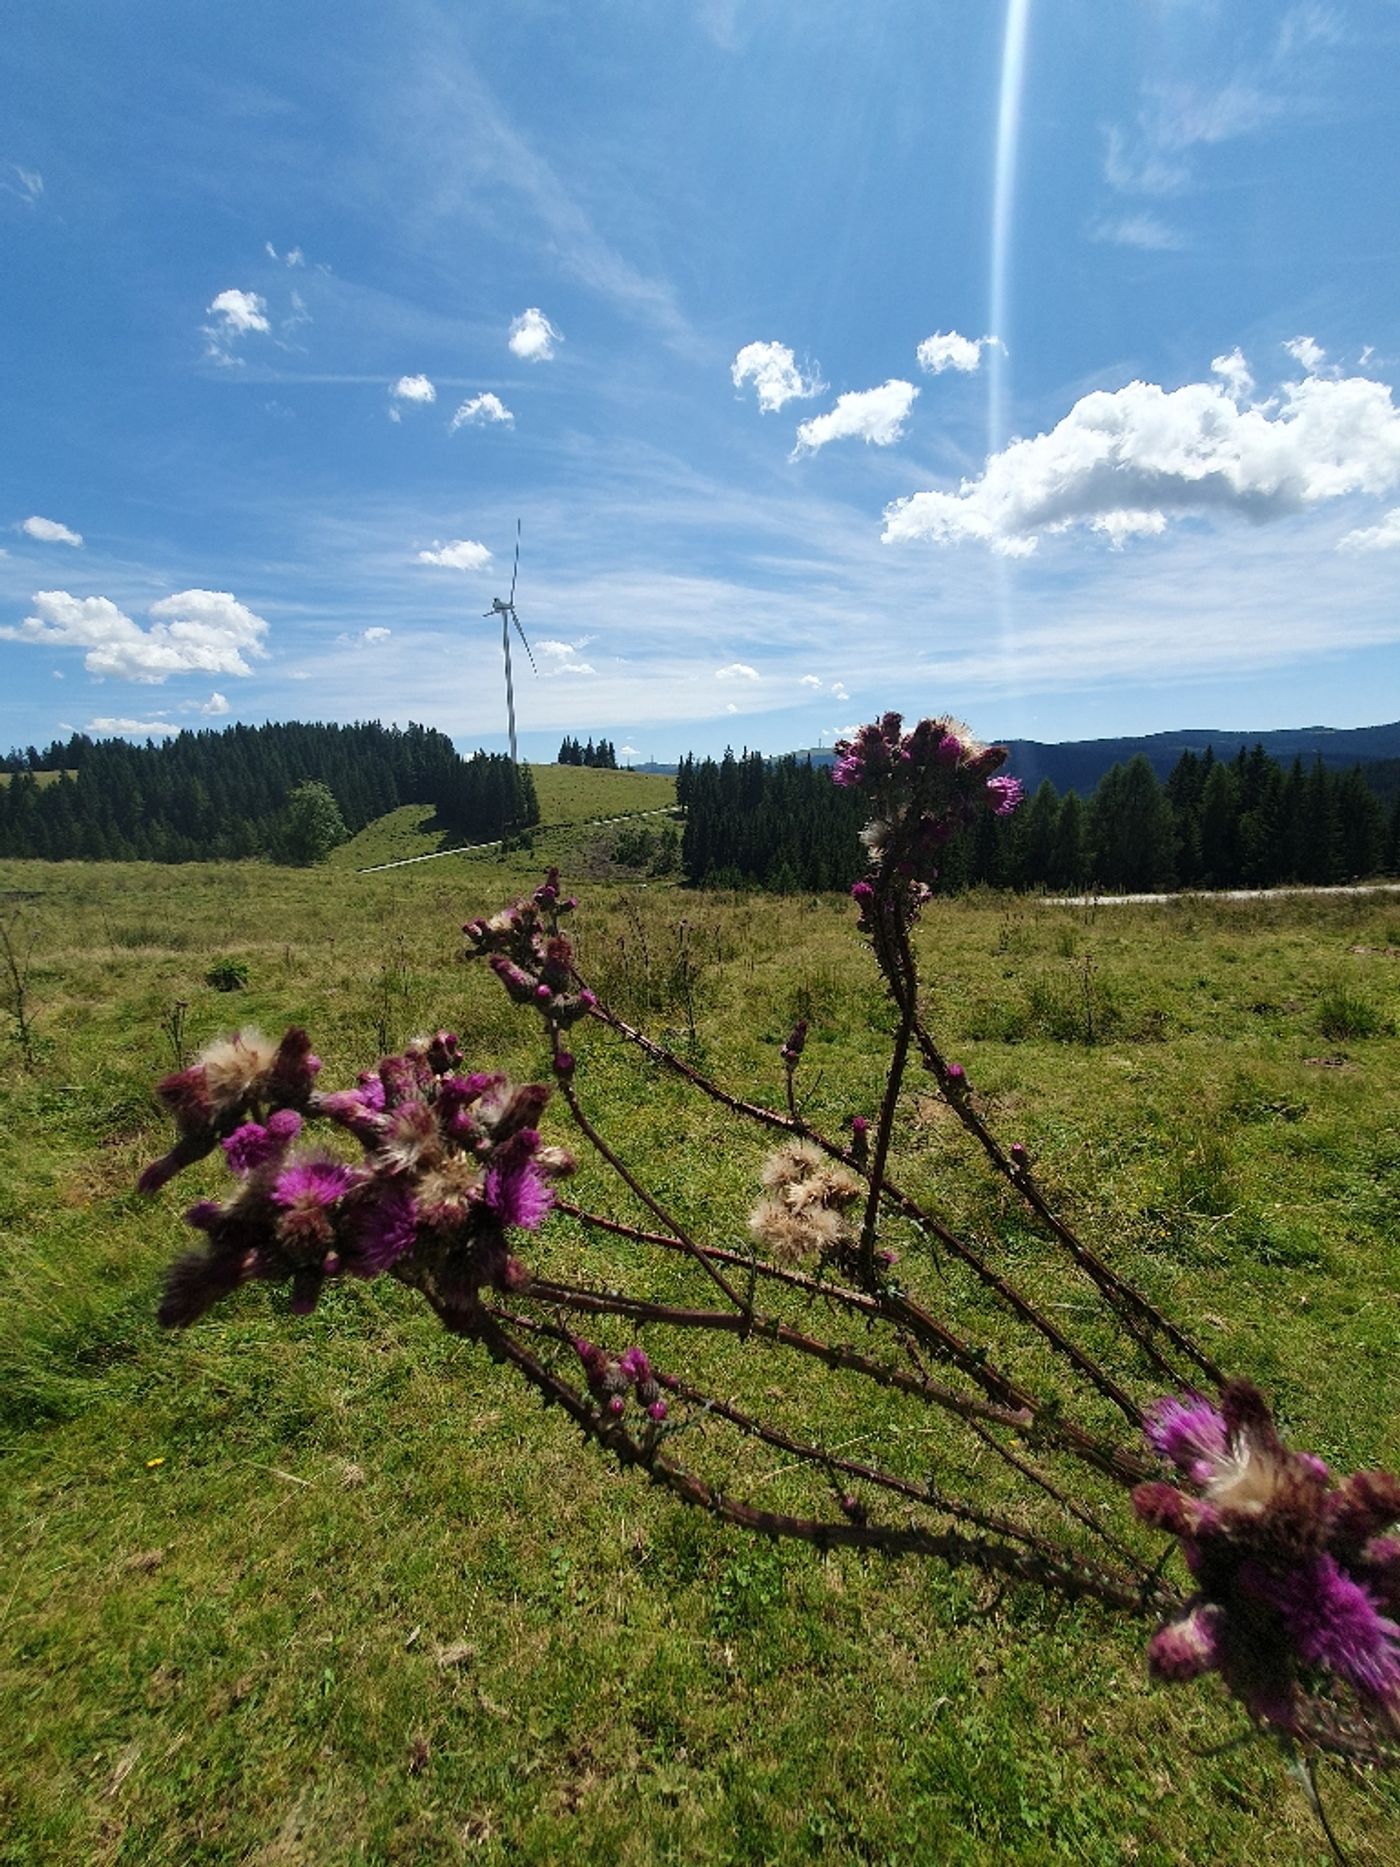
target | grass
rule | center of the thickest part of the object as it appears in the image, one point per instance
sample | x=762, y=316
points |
x=569, y=798
x=337, y=1591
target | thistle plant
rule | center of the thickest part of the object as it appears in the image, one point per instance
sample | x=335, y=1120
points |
x=1076, y=1457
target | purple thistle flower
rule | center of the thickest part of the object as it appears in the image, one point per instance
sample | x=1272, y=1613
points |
x=634, y=1364
x=1334, y=1622
x=381, y=1229
x=253, y=1145
x=314, y=1182
x=657, y=1411
x=1186, y=1648
x=518, y=983
x=518, y=1195
x=848, y=772
x=860, y=1139
x=1004, y=794
x=1190, y=1432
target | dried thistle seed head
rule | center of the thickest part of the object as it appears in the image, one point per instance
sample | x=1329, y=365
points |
x=782, y=1233
x=795, y=1160
x=235, y=1066
x=447, y=1194
x=796, y=1236
x=835, y=1186
x=410, y=1140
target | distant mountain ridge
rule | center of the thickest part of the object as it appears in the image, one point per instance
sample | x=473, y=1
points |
x=1078, y=764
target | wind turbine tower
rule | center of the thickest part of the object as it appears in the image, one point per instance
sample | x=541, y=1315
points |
x=506, y=611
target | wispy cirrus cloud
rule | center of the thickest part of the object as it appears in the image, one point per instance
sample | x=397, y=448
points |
x=27, y=186
x=1149, y=233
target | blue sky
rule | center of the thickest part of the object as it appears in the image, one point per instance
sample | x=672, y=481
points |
x=1031, y=361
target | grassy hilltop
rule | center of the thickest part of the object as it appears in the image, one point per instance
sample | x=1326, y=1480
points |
x=336, y=1590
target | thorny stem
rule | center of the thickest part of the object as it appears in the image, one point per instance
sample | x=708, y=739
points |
x=926, y=1493
x=1069, y=1578
x=630, y=1180
x=1125, y=1467
x=1137, y=1312
x=893, y=1083
x=984, y=1373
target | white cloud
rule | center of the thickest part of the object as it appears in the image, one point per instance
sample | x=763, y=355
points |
x=1119, y=526
x=236, y=314
x=1382, y=537
x=239, y=312
x=873, y=415
x=28, y=184
x=773, y=370
x=1306, y=352
x=627, y=751
x=214, y=706
x=414, y=389
x=296, y=257
x=480, y=411
x=560, y=658
x=1131, y=168
x=131, y=729
x=731, y=708
x=1123, y=461
x=1154, y=157
x=836, y=690
x=1147, y=232
x=50, y=532
x=457, y=554
x=1233, y=371
x=377, y=635
x=946, y=350
x=1307, y=25
x=205, y=631
x=533, y=337
x=736, y=671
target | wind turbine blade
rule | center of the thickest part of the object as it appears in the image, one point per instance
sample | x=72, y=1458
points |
x=521, y=633
x=516, y=572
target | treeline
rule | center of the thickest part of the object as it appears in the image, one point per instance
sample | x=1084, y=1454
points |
x=222, y=795
x=778, y=823
x=602, y=757
x=1245, y=823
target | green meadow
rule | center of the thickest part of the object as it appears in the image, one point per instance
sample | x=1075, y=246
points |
x=337, y=1590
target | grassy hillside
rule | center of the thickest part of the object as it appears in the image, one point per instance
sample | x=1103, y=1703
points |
x=334, y=1590
x=569, y=796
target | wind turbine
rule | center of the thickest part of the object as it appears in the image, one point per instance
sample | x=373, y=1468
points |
x=506, y=612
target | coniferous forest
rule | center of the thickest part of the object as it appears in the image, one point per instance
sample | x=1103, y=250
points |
x=1247, y=823
x=208, y=796
x=601, y=757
